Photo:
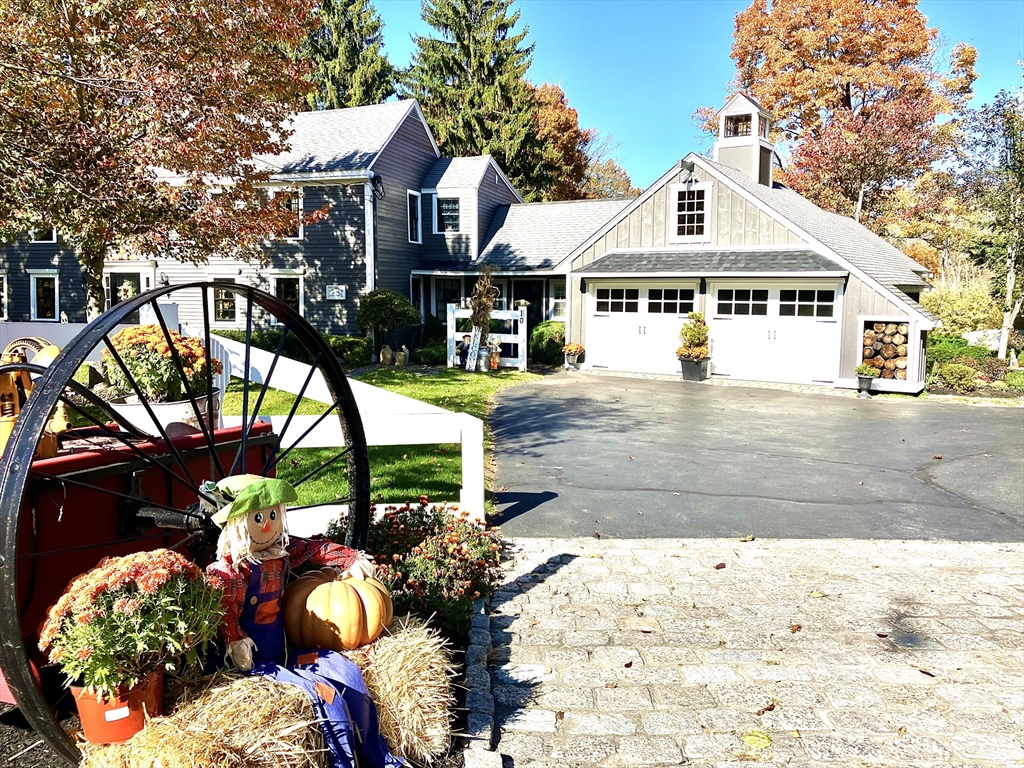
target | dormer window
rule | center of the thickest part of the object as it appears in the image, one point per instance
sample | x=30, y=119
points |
x=447, y=215
x=737, y=125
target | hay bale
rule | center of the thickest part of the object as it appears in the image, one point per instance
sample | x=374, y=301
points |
x=223, y=721
x=408, y=673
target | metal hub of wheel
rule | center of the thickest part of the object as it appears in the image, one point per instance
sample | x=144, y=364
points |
x=117, y=487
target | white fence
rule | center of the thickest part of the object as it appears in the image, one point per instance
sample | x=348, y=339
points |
x=60, y=334
x=517, y=317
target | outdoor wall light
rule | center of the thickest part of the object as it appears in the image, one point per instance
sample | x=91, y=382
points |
x=162, y=280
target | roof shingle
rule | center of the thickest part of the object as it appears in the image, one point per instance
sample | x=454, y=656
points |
x=713, y=261
x=457, y=172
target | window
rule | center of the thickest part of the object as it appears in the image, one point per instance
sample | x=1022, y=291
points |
x=446, y=292
x=558, y=300
x=737, y=125
x=447, y=214
x=415, y=230
x=688, y=220
x=288, y=288
x=3, y=295
x=292, y=200
x=762, y=128
x=44, y=300
x=618, y=299
x=670, y=301
x=806, y=303
x=43, y=235
x=742, y=301
x=121, y=286
x=224, y=306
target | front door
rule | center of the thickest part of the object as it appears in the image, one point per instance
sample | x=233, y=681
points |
x=533, y=292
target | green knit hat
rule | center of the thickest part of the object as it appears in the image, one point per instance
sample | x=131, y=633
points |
x=248, y=492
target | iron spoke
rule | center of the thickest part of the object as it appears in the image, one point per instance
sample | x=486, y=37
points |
x=35, y=555
x=316, y=423
x=215, y=464
x=109, y=492
x=242, y=448
x=321, y=504
x=295, y=407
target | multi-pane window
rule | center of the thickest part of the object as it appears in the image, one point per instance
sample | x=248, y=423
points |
x=742, y=301
x=43, y=235
x=690, y=212
x=287, y=290
x=413, y=202
x=224, y=302
x=446, y=292
x=558, y=300
x=293, y=203
x=737, y=125
x=806, y=303
x=618, y=299
x=670, y=301
x=447, y=214
x=44, y=297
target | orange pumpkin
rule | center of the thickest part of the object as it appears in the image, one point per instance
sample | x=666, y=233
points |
x=337, y=613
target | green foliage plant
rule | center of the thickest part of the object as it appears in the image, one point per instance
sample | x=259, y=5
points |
x=130, y=616
x=964, y=303
x=868, y=370
x=435, y=561
x=1015, y=380
x=546, y=341
x=352, y=349
x=433, y=354
x=149, y=359
x=694, y=338
x=959, y=378
x=382, y=311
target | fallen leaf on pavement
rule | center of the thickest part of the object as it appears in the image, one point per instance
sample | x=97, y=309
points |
x=559, y=715
x=770, y=707
x=611, y=685
x=816, y=593
x=926, y=672
x=794, y=628
x=631, y=458
x=628, y=664
x=880, y=634
x=720, y=566
x=902, y=730
x=937, y=456
x=748, y=537
x=757, y=740
x=597, y=535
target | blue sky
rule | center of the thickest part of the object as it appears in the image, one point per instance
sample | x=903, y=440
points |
x=639, y=68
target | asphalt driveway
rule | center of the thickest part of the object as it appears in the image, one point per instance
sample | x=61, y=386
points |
x=634, y=458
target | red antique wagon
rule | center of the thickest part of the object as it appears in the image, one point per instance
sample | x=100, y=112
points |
x=115, y=488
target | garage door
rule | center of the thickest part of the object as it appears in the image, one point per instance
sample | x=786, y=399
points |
x=763, y=332
x=636, y=327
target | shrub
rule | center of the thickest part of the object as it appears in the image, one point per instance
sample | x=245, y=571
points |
x=991, y=368
x=546, y=340
x=465, y=325
x=148, y=358
x=384, y=310
x=1015, y=380
x=868, y=370
x=960, y=378
x=694, y=338
x=436, y=562
x=434, y=330
x=941, y=348
x=352, y=349
x=963, y=301
x=435, y=354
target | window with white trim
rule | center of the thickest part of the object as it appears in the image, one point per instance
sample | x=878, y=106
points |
x=446, y=292
x=225, y=306
x=806, y=303
x=670, y=301
x=43, y=235
x=446, y=217
x=292, y=200
x=738, y=125
x=689, y=218
x=558, y=300
x=742, y=301
x=3, y=295
x=123, y=284
x=288, y=288
x=415, y=226
x=44, y=297
x=618, y=300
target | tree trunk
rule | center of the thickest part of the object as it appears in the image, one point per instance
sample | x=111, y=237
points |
x=1011, y=308
x=92, y=265
x=860, y=204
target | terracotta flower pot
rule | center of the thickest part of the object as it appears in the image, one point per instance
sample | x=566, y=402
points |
x=116, y=719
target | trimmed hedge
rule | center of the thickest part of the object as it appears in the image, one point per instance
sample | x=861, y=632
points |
x=546, y=340
x=434, y=354
x=960, y=378
x=352, y=349
x=944, y=348
x=1015, y=380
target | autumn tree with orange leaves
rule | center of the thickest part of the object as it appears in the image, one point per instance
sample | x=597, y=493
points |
x=854, y=88
x=116, y=117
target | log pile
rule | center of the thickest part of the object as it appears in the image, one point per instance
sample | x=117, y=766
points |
x=885, y=348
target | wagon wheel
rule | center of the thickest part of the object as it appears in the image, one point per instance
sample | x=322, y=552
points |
x=122, y=484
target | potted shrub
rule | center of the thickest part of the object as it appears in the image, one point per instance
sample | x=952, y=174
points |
x=572, y=353
x=694, y=355
x=117, y=628
x=148, y=357
x=865, y=374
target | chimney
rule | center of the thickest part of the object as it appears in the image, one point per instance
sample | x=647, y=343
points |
x=743, y=127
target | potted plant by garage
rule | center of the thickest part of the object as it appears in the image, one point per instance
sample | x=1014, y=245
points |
x=118, y=627
x=865, y=375
x=694, y=354
x=147, y=356
x=572, y=353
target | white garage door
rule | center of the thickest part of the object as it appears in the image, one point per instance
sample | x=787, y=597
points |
x=636, y=328
x=764, y=332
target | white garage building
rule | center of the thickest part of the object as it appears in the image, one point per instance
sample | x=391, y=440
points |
x=787, y=288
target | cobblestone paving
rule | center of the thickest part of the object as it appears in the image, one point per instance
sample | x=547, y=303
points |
x=778, y=652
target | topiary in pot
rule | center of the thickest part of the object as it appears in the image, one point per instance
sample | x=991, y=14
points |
x=694, y=353
x=865, y=374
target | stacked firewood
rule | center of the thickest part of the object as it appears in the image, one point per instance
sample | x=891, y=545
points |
x=885, y=348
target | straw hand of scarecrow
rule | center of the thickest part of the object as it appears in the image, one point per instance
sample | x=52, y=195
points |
x=239, y=653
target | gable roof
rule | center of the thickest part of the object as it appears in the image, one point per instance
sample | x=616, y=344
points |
x=734, y=260
x=846, y=238
x=339, y=140
x=541, y=235
x=457, y=172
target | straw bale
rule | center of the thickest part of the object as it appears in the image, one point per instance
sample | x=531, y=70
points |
x=223, y=721
x=408, y=673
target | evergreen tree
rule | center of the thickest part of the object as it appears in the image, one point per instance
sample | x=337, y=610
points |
x=349, y=65
x=471, y=82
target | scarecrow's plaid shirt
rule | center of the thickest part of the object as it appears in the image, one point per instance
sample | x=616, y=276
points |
x=236, y=583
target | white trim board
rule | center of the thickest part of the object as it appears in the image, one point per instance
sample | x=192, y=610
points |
x=413, y=107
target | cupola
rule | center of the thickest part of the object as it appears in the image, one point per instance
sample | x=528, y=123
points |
x=743, y=143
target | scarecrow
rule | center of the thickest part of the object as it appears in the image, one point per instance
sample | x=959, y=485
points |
x=254, y=555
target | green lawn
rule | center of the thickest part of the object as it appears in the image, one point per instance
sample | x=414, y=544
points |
x=397, y=472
